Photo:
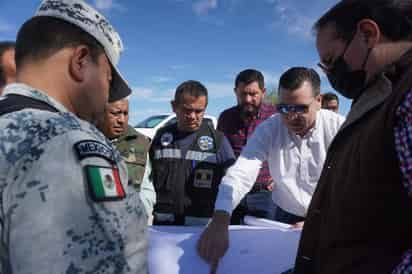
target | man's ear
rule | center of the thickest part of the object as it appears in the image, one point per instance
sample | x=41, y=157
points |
x=318, y=100
x=370, y=31
x=173, y=104
x=79, y=61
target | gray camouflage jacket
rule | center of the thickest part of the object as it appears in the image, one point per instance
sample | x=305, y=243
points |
x=65, y=206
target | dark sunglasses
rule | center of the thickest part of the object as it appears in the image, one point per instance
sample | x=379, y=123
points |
x=290, y=108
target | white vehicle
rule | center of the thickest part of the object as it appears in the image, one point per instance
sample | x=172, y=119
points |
x=151, y=125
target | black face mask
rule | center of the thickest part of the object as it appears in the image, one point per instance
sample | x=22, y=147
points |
x=349, y=83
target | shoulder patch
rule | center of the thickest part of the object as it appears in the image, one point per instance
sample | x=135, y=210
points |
x=104, y=183
x=93, y=148
x=205, y=143
x=166, y=139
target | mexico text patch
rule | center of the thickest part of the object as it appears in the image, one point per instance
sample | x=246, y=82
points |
x=92, y=148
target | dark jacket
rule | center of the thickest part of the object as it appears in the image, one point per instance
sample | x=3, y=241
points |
x=356, y=222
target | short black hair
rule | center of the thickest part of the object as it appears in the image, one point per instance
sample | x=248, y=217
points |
x=192, y=88
x=42, y=36
x=248, y=76
x=394, y=18
x=4, y=46
x=294, y=77
x=329, y=96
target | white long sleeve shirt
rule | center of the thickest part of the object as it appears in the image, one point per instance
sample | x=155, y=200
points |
x=295, y=163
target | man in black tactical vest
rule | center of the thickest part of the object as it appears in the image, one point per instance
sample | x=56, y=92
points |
x=188, y=160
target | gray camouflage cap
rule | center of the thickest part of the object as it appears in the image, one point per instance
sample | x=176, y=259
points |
x=91, y=21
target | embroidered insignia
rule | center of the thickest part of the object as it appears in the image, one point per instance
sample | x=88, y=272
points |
x=93, y=148
x=166, y=139
x=131, y=158
x=205, y=143
x=104, y=183
x=203, y=178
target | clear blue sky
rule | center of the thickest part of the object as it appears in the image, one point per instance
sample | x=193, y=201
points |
x=170, y=41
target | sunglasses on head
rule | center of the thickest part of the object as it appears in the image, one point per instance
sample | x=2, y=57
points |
x=292, y=108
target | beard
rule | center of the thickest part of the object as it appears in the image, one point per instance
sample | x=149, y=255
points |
x=249, y=111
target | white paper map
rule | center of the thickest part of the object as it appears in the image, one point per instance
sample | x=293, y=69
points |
x=267, y=249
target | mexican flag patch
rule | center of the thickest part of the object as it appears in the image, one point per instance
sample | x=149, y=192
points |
x=104, y=183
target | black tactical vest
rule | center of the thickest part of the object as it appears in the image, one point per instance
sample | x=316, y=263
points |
x=186, y=182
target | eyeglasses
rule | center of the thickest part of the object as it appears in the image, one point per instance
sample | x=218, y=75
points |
x=293, y=108
x=289, y=108
x=327, y=68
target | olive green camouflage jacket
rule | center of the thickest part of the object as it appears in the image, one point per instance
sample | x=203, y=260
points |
x=133, y=147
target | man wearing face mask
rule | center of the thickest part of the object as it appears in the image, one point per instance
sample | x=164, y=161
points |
x=238, y=124
x=294, y=143
x=353, y=223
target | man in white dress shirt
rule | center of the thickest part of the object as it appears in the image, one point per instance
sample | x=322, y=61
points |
x=294, y=142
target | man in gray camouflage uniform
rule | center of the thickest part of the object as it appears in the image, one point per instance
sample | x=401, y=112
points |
x=65, y=204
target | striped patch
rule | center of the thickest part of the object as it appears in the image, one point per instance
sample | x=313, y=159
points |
x=168, y=153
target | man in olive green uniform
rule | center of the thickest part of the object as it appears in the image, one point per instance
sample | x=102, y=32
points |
x=132, y=145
